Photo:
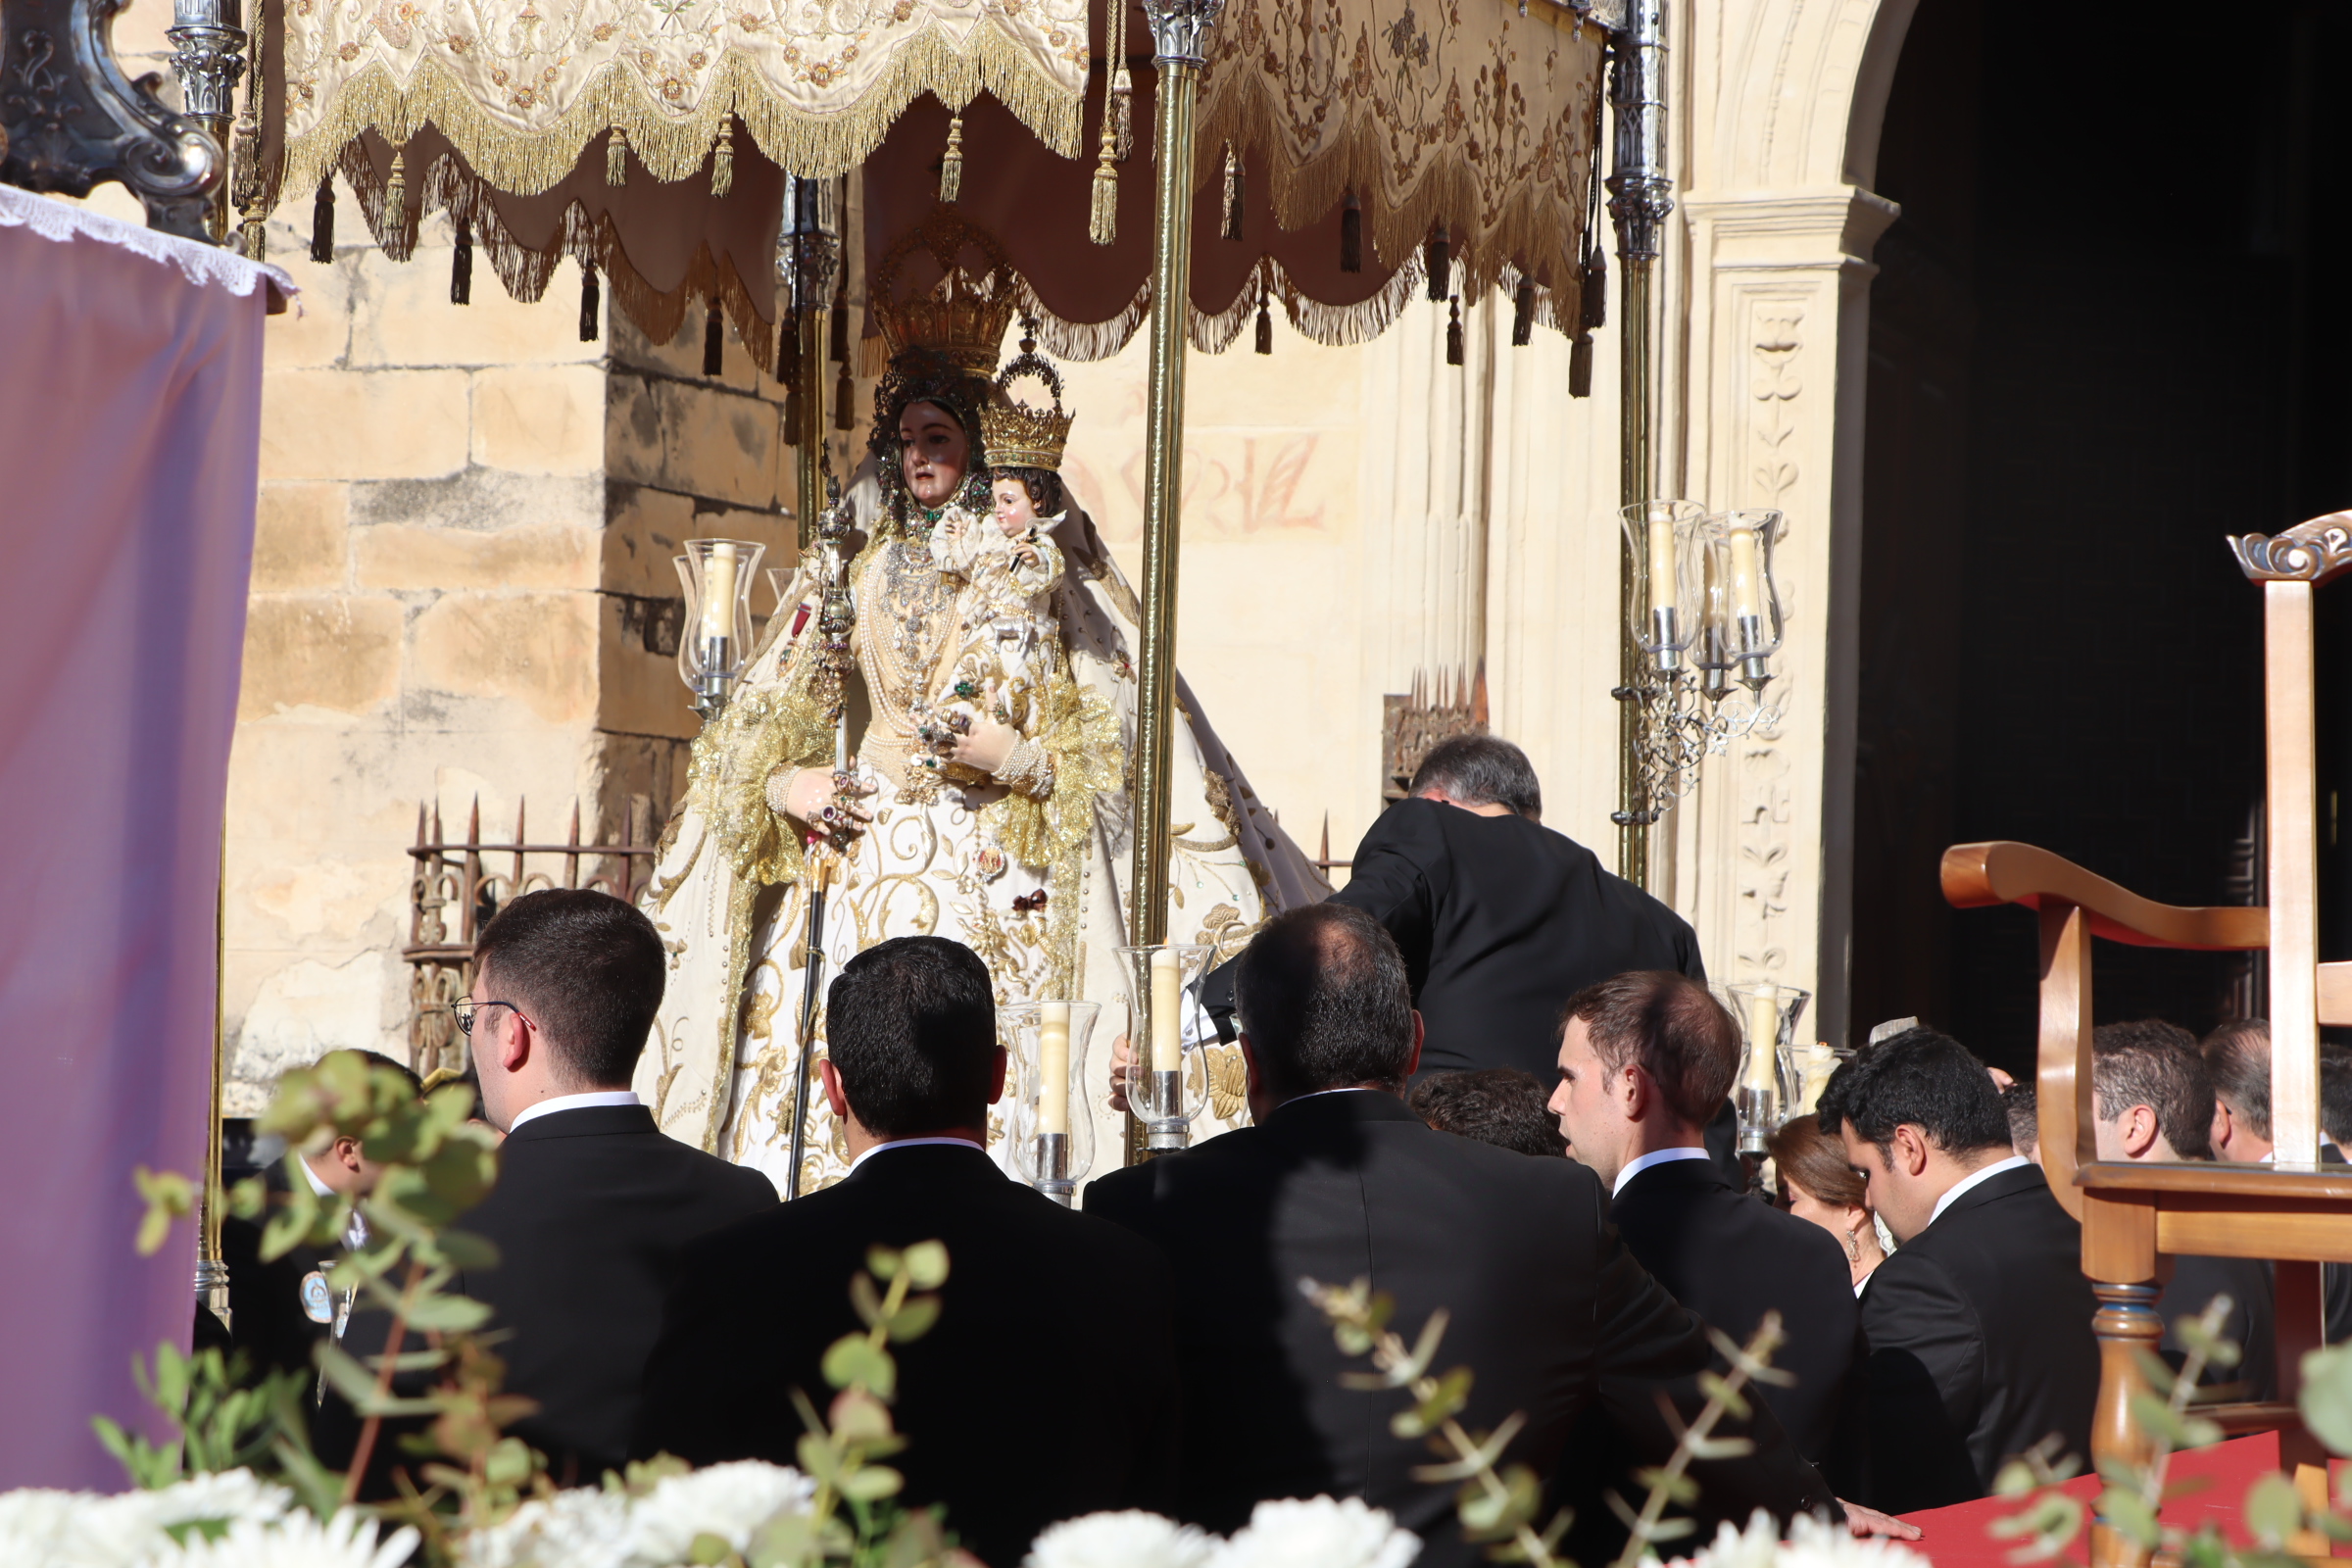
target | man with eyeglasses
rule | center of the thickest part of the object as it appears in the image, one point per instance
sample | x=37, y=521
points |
x=593, y=1203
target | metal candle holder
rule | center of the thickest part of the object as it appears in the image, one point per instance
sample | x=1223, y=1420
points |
x=1766, y=1013
x=1050, y=1126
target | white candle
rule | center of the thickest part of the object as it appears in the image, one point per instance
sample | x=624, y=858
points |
x=1661, y=559
x=1747, y=598
x=1053, y=1067
x=1764, y=1029
x=719, y=591
x=1167, y=991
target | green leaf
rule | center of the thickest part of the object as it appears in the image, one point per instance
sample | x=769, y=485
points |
x=509, y=1462
x=871, y=1482
x=707, y=1550
x=863, y=1298
x=2327, y=1399
x=462, y=1250
x=855, y=1361
x=447, y=1314
x=2274, y=1510
x=858, y=1418
x=2016, y=1480
x=2129, y=1513
x=169, y=1197
x=913, y=1320
x=927, y=1266
x=882, y=1262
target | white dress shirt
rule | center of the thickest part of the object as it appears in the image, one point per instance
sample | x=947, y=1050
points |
x=1656, y=1156
x=601, y=1097
x=1974, y=1179
x=915, y=1143
x=354, y=1234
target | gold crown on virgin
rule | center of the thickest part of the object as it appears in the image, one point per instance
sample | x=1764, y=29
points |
x=963, y=317
x=1016, y=435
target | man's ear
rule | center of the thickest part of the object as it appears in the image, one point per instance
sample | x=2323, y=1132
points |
x=995, y=1082
x=840, y=1103
x=1910, y=1150
x=345, y=1152
x=2138, y=1129
x=1412, y=1064
x=1257, y=1079
x=1635, y=1090
x=515, y=1042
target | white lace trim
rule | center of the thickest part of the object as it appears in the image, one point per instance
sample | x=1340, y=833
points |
x=198, y=263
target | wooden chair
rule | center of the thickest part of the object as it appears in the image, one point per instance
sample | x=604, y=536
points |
x=2293, y=1212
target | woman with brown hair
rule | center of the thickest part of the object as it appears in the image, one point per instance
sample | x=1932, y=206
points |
x=1817, y=1185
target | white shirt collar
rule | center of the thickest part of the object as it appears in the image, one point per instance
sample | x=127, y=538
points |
x=354, y=1234
x=548, y=1108
x=916, y=1143
x=1656, y=1156
x=1974, y=1179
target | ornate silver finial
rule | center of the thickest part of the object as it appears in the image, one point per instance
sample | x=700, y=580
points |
x=1180, y=28
x=1639, y=191
x=2309, y=552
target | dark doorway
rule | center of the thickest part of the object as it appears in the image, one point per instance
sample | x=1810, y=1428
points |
x=2106, y=333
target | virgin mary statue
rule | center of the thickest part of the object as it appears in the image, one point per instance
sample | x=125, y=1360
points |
x=1010, y=837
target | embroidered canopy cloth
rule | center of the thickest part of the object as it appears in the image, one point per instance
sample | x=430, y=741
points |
x=1467, y=115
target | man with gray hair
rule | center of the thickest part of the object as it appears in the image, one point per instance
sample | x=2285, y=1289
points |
x=1501, y=918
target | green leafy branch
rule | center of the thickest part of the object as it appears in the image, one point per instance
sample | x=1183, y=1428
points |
x=842, y=1450
x=1726, y=1395
x=1498, y=1506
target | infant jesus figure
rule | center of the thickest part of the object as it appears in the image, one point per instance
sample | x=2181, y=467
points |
x=1009, y=637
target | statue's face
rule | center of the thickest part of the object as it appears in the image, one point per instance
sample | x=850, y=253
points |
x=934, y=453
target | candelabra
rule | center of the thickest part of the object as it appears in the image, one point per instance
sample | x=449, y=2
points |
x=1707, y=631
x=1053, y=1135
x=1769, y=1086
x=717, y=641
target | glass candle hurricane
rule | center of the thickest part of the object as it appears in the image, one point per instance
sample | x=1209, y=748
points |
x=1769, y=1087
x=1167, y=1077
x=716, y=639
x=1741, y=610
x=1664, y=538
x=1053, y=1132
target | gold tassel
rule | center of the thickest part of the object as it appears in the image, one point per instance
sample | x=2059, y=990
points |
x=1265, y=324
x=1596, y=290
x=1580, y=367
x=1122, y=115
x=1523, y=315
x=1453, y=331
x=1231, y=228
x=1103, y=219
x=323, y=220
x=396, y=193
x=1351, y=235
x=1437, y=257
x=950, y=165
x=722, y=158
x=844, y=394
x=616, y=157
x=253, y=239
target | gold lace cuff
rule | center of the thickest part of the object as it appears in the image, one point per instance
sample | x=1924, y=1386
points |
x=1027, y=771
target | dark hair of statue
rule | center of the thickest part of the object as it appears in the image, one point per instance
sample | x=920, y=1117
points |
x=1322, y=995
x=1673, y=1026
x=911, y=1028
x=588, y=969
x=1499, y=1105
x=1921, y=1078
x=2156, y=1065
x=1814, y=1162
x=924, y=375
x=1044, y=485
x=1481, y=770
x=2238, y=1057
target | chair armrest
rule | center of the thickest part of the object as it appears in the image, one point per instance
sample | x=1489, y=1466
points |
x=1979, y=875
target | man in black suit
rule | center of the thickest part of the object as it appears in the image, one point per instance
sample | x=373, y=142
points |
x=1339, y=1181
x=594, y=1203
x=1500, y=919
x=2153, y=1099
x=1980, y=1324
x=1047, y=1389
x=1643, y=1059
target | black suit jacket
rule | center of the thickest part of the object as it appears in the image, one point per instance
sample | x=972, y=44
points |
x=2251, y=1324
x=1502, y=920
x=1980, y=1345
x=1046, y=1390
x=1547, y=1306
x=267, y=1319
x=1731, y=1258
x=592, y=1210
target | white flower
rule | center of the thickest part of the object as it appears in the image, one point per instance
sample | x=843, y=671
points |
x=1813, y=1542
x=41, y=1528
x=728, y=1501
x=1129, y=1540
x=297, y=1540
x=1318, y=1532
x=582, y=1528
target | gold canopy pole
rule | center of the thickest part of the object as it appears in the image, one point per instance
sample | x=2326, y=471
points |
x=1178, y=30
x=1640, y=200
x=212, y=1271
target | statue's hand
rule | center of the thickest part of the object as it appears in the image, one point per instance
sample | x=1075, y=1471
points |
x=985, y=746
x=819, y=800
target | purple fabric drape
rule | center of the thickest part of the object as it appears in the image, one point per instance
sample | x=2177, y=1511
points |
x=131, y=379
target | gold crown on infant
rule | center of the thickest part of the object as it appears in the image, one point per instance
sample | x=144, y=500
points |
x=1016, y=435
